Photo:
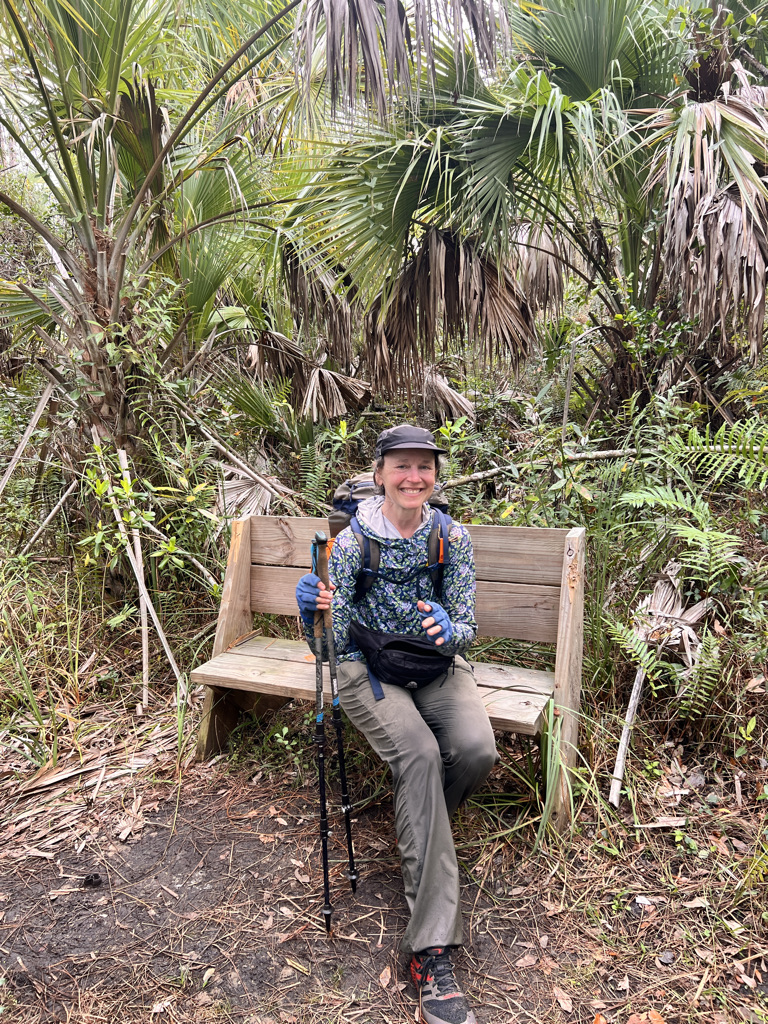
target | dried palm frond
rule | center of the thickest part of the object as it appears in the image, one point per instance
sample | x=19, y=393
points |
x=716, y=257
x=539, y=267
x=659, y=621
x=241, y=495
x=441, y=398
x=329, y=395
x=447, y=291
x=662, y=620
x=317, y=297
x=274, y=356
x=373, y=40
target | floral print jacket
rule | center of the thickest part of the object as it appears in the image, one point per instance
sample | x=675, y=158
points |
x=390, y=604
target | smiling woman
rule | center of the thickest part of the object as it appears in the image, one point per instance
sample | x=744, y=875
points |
x=405, y=684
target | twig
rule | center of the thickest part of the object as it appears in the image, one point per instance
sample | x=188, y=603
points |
x=51, y=515
x=180, y=680
x=277, y=491
x=209, y=577
x=122, y=458
x=39, y=410
x=621, y=757
x=511, y=467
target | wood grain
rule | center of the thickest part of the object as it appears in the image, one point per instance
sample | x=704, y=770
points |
x=503, y=609
x=568, y=664
x=489, y=675
x=505, y=554
x=235, y=618
x=508, y=709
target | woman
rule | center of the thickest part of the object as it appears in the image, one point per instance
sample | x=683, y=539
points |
x=436, y=736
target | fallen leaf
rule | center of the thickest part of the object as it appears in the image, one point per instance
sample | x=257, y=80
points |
x=705, y=954
x=655, y=1017
x=635, y=1018
x=565, y=1001
x=208, y=975
x=301, y=876
x=267, y=839
x=599, y=1019
x=526, y=961
x=266, y=925
x=517, y=890
x=623, y=985
x=385, y=977
x=552, y=908
x=286, y=911
x=696, y=902
x=543, y=941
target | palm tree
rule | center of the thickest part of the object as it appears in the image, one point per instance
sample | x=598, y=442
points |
x=637, y=141
x=132, y=119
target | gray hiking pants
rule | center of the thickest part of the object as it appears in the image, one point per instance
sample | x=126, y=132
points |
x=440, y=746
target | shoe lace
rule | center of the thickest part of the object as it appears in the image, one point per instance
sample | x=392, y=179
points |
x=440, y=967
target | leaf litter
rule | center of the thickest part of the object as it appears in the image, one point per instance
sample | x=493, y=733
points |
x=184, y=926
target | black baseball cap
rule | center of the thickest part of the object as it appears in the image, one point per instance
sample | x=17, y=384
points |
x=405, y=436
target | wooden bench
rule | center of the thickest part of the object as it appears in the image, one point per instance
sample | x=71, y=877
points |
x=530, y=586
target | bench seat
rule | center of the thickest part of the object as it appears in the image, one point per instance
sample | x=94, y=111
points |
x=515, y=698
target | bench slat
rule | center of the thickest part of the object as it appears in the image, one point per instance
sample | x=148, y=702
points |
x=508, y=554
x=508, y=709
x=503, y=609
x=487, y=674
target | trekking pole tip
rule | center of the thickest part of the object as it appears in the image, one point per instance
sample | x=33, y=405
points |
x=327, y=911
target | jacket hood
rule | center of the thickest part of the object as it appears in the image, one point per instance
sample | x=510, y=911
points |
x=373, y=521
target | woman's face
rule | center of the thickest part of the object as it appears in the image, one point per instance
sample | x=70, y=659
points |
x=408, y=477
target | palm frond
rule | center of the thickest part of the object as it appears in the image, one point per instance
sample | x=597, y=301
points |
x=447, y=291
x=330, y=395
x=442, y=399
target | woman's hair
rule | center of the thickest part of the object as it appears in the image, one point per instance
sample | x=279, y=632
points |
x=378, y=465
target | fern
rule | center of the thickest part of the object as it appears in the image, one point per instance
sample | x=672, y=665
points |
x=637, y=651
x=738, y=452
x=709, y=556
x=313, y=473
x=698, y=683
x=669, y=499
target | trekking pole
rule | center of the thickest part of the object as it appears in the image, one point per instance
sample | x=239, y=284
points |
x=346, y=806
x=320, y=743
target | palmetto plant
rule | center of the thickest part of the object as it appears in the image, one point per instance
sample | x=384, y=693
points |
x=635, y=138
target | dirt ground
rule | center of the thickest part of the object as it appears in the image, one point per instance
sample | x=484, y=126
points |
x=200, y=901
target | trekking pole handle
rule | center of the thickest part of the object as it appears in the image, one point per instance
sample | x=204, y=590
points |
x=321, y=542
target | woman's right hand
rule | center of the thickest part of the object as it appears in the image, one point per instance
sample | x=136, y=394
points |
x=312, y=596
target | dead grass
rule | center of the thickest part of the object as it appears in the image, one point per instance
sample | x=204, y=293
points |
x=209, y=904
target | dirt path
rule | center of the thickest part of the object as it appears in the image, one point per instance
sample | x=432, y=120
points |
x=208, y=910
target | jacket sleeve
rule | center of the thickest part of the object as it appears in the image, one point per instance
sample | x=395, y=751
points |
x=459, y=591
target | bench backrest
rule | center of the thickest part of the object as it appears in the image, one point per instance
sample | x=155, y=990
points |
x=519, y=573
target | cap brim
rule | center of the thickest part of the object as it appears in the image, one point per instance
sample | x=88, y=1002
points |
x=415, y=444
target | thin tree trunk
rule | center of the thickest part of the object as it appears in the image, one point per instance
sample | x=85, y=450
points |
x=39, y=410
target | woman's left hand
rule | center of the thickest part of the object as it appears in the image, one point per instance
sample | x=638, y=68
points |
x=437, y=625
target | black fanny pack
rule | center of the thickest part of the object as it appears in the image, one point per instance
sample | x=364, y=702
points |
x=400, y=659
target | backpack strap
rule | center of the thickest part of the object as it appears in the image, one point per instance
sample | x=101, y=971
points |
x=370, y=554
x=438, y=549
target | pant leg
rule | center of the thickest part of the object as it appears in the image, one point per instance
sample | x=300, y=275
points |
x=454, y=711
x=401, y=737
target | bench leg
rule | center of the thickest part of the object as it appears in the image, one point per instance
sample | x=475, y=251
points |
x=222, y=711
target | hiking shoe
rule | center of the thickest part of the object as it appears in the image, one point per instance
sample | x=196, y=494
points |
x=441, y=1001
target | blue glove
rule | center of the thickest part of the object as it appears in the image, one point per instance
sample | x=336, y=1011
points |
x=440, y=615
x=306, y=597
